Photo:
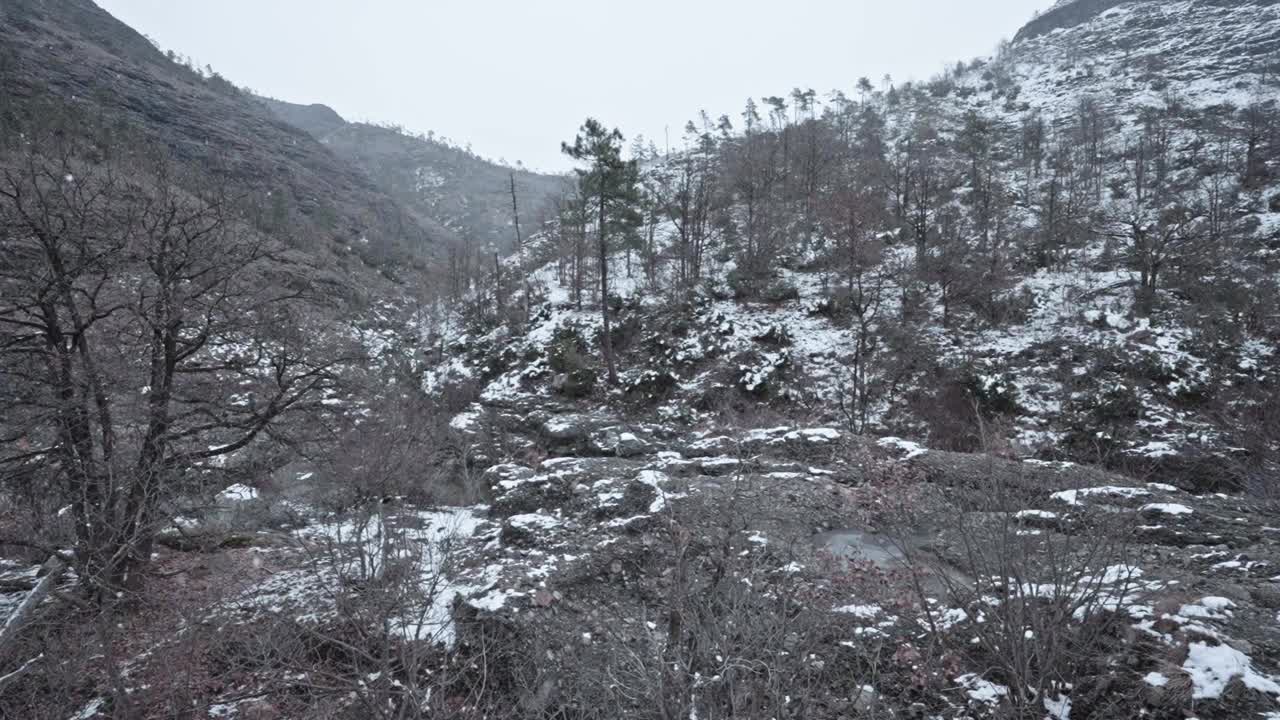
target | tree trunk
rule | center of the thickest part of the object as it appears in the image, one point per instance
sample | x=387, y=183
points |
x=606, y=341
x=524, y=271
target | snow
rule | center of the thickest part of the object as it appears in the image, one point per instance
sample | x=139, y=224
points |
x=1155, y=679
x=720, y=462
x=951, y=617
x=1117, y=573
x=238, y=493
x=865, y=612
x=90, y=709
x=1072, y=497
x=912, y=449
x=1211, y=667
x=1059, y=709
x=815, y=435
x=534, y=521
x=223, y=710
x=1217, y=603
x=1154, y=449
x=1115, y=589
x=494, y=600
x=1209, y=607
x=440, y=529
x=655, y=480
x=362, y=548
x=467, y=420
x=1167, y=508
x=980, y=690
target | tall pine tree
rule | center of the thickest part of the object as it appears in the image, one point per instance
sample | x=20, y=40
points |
x=611, y=183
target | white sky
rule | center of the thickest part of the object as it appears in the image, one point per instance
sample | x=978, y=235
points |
x=515, y=77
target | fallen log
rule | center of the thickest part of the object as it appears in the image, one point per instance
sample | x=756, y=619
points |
x=53, y=569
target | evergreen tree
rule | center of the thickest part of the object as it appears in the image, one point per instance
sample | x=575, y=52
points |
x=612, y=184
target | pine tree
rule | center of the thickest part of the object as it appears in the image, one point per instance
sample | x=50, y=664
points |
x=612, y=183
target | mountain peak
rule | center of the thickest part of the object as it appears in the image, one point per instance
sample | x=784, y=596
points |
x=1066, y=13
x=317, y=119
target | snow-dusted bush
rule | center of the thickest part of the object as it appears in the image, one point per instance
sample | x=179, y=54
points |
x=779, y=291
x=650, y=385
x=758, y=373
x=567, y=354
x=776, y=335
x=994, y=392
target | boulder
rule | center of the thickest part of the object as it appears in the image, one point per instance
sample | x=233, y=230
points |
x=619, y=441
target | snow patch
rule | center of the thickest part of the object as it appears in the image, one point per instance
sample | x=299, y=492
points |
x=1212, y=667
x=1166, y=508
x=238, y=493
x=910, y=448
x=980, y=690
x=1072, y=497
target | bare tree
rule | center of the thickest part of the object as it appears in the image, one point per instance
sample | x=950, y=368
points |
x=106, y=264
x=1154, y=221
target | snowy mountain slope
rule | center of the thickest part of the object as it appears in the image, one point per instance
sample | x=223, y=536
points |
x=1132, y=54
x=1074, y=367
x=1068, y=376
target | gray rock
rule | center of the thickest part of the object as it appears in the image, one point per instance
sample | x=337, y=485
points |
x=619, y=441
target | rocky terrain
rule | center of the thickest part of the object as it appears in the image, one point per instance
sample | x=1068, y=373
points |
x=1223, y=52
x=608, y=548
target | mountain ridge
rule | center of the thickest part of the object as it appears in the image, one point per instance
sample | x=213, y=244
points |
x=468, y=194
x=77, y=54
x=1068, y=13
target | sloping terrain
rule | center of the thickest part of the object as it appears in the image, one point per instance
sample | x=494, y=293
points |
x=75, y=53
x=1131, y=54
x=1109, y=413
x=1079, y=364
x=467, y=194
x=1011, y=265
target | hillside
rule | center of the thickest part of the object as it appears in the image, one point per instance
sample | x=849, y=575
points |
x=73, y=53
x=1060, y=261
x=1009, y=259
x=470, y=196
x=1130, y=55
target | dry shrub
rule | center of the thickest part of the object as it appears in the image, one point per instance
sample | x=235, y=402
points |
x=1051, y=603
x=894, y=497
x=720, y=632
x=367, y=644
x=401, y=449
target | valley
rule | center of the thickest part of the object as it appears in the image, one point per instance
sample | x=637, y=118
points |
x=931, y=399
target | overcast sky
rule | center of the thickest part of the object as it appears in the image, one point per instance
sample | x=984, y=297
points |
x=515, y=77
